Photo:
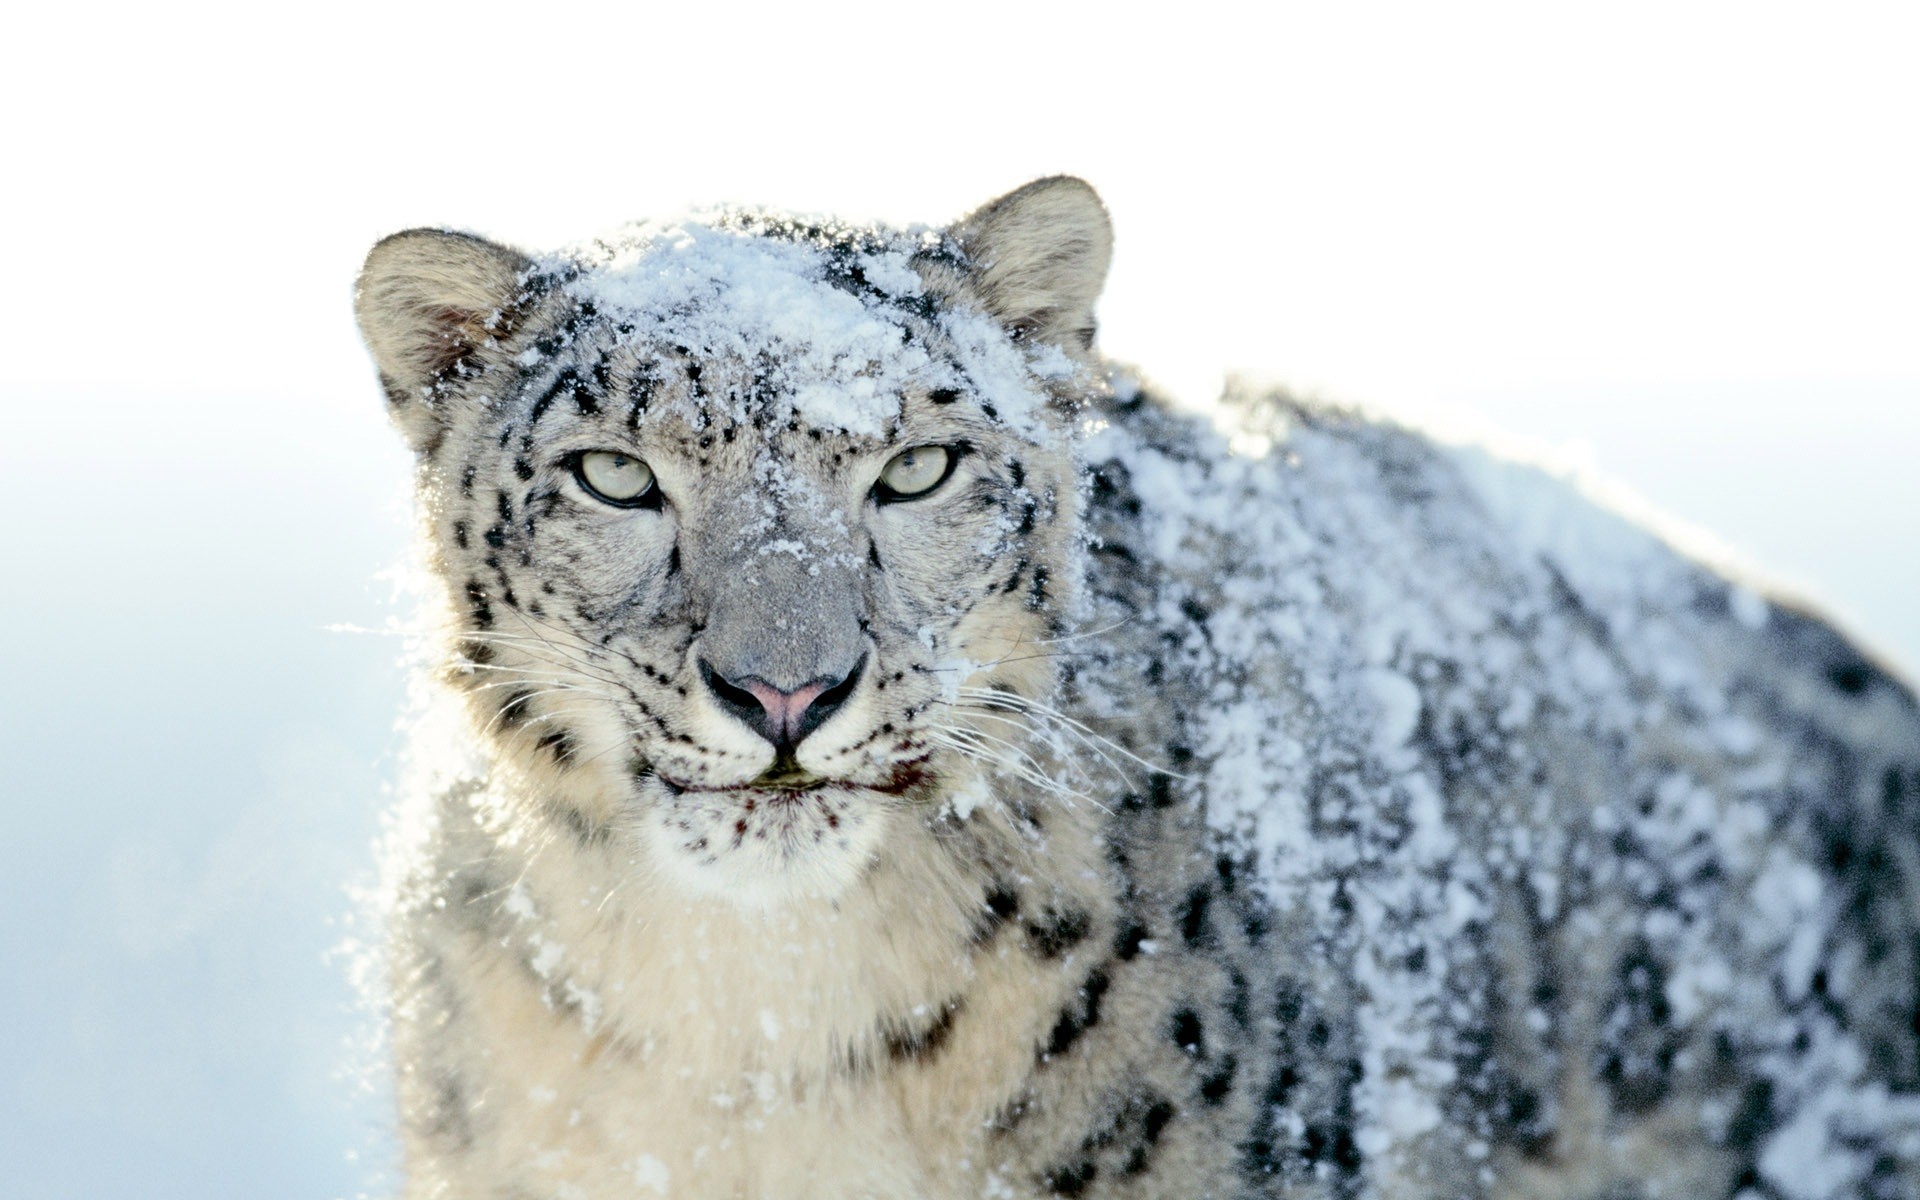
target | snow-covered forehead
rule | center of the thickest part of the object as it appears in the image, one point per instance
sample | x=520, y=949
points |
x=839, y=326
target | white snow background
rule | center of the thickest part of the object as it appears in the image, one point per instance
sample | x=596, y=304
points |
x=1675, y=240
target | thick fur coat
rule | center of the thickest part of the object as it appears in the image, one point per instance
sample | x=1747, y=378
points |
x=919, y=763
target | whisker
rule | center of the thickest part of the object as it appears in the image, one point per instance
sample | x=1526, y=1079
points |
x=997, y=697
x=1093, y=745
x=969, y=741
x=1018, y=703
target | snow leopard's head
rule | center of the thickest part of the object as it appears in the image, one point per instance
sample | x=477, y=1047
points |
x=755, y=529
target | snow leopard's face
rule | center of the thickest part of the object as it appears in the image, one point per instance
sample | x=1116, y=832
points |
x=756, y=534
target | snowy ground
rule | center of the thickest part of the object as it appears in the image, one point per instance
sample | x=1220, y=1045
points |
x=1680, y=239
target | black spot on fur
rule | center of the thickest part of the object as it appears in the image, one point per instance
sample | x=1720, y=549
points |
x=1105, y=491
x=922, y=1044
x=1753, y=1120
x=1081, y=1014
x=1011, y=1115
x=1001, y=905
x=1853, y=678
x=1070, y=1180
x=1521, y=1118
x=1194, y=927
x=1215, y=1088
x=1331, y=1142
x=1037, y=591
x=942, y=396
x=1188, y=1034
x=1061, y=932
x=1636, y=1058
x=478, y=607
x=560, y=744
x=1126, y=946
x=1253, y=922
x=460, y=534
x=1029, y=512
x=1239, y=999
x=1160, y=791
x=515, y=710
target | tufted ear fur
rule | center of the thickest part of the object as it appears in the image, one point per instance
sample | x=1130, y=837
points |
x=1039, y=258
x=426, y=300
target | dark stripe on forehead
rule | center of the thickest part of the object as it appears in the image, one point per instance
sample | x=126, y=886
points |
x=587, y=399
x=565, y=382
x=586, y=396
x=639, y=395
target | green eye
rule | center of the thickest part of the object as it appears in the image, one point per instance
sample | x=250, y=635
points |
x=617, y=479
x=915, y=472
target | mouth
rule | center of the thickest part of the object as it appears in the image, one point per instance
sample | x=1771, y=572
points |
x=787, y=781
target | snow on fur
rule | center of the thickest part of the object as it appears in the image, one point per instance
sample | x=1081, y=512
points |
x=1569, y=842
x=1397, y=639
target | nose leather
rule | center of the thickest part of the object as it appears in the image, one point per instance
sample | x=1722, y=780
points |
x=783, y=717
x=784, y=710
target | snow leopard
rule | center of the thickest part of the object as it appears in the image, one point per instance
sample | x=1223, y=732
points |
x=911, y=758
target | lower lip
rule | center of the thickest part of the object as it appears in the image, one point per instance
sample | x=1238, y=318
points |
x=905, y=778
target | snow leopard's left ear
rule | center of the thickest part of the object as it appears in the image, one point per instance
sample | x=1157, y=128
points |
x=1039, y=256
x=427, y=299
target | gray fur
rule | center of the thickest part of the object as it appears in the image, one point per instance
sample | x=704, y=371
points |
x=1330, y=823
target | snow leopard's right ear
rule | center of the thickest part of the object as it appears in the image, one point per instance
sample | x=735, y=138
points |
x=426, y=300
x=1039, y=257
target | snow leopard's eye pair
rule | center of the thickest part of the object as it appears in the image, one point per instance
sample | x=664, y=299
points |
x=612, y=477
x=913, y=473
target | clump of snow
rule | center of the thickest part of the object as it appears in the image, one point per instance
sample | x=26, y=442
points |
x=838, y=334
x=650, y=1173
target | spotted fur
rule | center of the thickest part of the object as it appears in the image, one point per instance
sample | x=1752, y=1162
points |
x=1164, y=821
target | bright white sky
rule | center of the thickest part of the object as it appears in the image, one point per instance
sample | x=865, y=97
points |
x=1682, y=235
x=1649, y=227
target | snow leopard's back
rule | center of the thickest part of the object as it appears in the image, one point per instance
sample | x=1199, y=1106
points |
x=1577, y=869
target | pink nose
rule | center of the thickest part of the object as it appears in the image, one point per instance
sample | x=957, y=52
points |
x=782, y=717
x=784, y=710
